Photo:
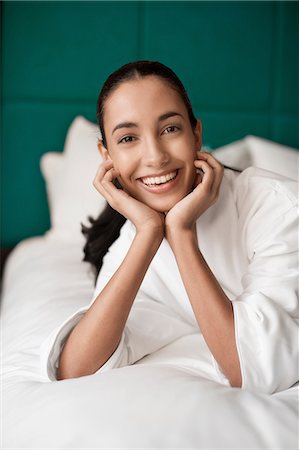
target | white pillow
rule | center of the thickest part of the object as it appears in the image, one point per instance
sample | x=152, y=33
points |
x=259, y=152
x=272, y=156
x=52, y=167
x=235, y=154
x=69, y=176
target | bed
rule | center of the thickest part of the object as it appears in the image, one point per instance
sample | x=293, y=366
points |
x=134, y=407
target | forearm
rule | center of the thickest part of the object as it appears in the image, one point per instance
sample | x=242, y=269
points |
x=212, y=309
x=98, y=333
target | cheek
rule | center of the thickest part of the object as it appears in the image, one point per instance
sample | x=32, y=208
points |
x=118, y=164
x=186, y=150
x=124, y=166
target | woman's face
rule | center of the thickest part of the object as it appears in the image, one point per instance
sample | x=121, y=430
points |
x=151, y=142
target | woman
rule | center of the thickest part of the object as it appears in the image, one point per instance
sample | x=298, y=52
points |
x=206, y=261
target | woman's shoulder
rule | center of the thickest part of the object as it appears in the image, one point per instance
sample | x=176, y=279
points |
x=254, y=187
x=266, y=205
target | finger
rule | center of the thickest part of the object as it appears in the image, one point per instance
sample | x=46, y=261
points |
x=211, y=160
x=118, y=195
x=215, y=164
x=100, y=181
x=208, y=173
x=104, y=169
x=110, y=175
x=101, y=189
x=217, y=167
x=108, y=181
x=198, y=177
x=218, y=178
x=104, y=166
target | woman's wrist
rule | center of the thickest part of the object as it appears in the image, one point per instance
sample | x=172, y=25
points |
x=179, y=236
x=154, y=234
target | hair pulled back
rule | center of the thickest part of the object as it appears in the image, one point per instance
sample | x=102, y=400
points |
x=134, y=71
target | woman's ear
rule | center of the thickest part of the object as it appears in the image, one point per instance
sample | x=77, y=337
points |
x=103, y=151
x=198, y=135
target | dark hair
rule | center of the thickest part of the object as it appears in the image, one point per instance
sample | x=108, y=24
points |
x=134, y=71
x=105, y=229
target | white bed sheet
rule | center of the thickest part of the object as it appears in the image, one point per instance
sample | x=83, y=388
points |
x=146, y=405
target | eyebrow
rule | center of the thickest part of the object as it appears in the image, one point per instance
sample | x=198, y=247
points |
x=160, y=119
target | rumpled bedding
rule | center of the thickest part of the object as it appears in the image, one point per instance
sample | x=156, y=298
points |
x=154, y=403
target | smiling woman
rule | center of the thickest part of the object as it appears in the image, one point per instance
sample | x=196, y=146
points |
x=154, y=138
x=186, y=248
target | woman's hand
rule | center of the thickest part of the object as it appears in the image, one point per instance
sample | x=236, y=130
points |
x=205, y=193
x=142, y=216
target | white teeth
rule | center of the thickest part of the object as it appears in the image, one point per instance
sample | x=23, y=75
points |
x=159, y=180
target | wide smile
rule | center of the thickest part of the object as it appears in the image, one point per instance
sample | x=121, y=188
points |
x=163, y=186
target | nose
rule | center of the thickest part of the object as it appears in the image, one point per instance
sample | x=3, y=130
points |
x=155, y=154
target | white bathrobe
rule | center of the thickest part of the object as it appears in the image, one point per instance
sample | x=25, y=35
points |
x=249, y=239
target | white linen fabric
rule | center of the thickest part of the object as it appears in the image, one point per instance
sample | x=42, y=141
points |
x=249, y=240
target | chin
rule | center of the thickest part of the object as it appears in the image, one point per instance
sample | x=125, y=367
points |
x=164, y=206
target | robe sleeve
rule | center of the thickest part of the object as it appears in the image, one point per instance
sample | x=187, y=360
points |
x=266, y=313
x=150, y=325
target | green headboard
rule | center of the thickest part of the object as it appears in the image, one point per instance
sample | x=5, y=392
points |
x=238, y=61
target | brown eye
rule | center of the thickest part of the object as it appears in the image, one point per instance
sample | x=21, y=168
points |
x=172, y=128
x=124, y=140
